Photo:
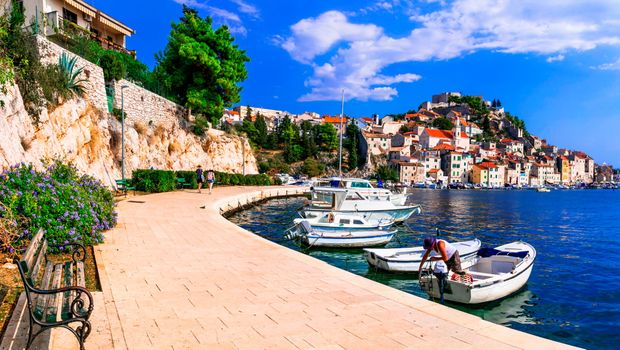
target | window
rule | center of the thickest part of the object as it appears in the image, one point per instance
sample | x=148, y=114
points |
x=357, y=222
x=69, y=16
x=345, y=221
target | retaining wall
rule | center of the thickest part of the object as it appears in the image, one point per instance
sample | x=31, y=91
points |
x=141, y=105
x=94, y=86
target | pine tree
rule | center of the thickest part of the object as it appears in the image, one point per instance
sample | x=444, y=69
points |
x=261, y=131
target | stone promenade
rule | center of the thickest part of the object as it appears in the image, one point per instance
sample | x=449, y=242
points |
x=175, y=274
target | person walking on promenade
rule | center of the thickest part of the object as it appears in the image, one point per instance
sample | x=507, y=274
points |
x=447, y=253
x=199, y=178
x=210, y=179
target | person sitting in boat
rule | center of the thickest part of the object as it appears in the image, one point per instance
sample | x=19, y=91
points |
x=447, y=253
x=330, y=217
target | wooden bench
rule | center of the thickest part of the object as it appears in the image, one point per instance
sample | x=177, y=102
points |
x=56, y=292
x=123, y=185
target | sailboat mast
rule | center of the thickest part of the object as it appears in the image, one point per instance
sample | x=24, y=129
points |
x=340, y=149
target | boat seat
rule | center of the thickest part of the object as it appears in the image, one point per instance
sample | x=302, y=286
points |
x=482, y=274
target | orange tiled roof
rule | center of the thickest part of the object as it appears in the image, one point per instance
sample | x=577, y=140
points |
x=487, y=165
x=444, y=147
x=444, y=134
x=434, y=170
x=334, y=120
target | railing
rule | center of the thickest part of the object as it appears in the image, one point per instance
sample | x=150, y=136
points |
x=55, y=24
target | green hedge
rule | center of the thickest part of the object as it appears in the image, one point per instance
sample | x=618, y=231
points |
x=166, y=180
x=147, y=180
x=238, y=179
x=189, y=176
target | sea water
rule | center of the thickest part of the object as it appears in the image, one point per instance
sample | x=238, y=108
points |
x=573, y=294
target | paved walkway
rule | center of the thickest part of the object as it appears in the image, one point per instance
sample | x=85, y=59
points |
x=177, y=276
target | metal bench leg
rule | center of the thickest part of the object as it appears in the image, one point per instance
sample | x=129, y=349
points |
x=83, y=332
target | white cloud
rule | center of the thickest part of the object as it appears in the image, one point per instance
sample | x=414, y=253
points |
x=247, y=8
x=557, y=58
x=609, y=66
x=353, y=55
x=229, y=18
x=315, y=36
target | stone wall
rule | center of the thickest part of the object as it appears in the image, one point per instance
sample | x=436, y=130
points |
x=94, y=87
x=141, y=105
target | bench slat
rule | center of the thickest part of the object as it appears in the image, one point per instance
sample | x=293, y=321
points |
x=54, y=304
x=41, y=300
x=81, y=280
x=34, y=275
x=67, y=296
x=33, y=247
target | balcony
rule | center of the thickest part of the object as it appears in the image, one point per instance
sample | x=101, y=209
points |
x=66, y=30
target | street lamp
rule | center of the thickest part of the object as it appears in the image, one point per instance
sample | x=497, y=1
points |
x=123, y=131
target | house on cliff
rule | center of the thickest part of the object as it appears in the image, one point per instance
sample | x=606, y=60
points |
x=57, y=18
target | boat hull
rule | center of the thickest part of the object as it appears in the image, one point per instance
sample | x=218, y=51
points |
x=495, y=276
x=350, y=239
x=396, y=214
x=466, y=294
x=408, y=259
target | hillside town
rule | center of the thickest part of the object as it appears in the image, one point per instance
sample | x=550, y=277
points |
x=481, y=146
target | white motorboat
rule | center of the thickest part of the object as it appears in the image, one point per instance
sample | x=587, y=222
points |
x=343, y=238
x=364, y=187
x=497, y=273
x=340, y=221
x=543, y=189
x=408, y=259
x=350, y=201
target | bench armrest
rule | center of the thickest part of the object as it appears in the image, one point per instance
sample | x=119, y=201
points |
x=79, y=251
x=77, y=304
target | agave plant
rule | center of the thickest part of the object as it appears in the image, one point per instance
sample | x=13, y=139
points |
x=67, y=66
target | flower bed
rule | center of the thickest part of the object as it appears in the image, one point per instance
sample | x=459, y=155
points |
x=68, y=207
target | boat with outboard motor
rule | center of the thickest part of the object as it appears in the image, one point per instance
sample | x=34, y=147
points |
x=364, y=187
x=341, y=221
x=496, y=273
x=351, y=201
x=343, y=238
x=408, y=259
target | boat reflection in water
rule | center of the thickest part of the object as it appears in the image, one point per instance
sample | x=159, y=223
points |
x=511, y=310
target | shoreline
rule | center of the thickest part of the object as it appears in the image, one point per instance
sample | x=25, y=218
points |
x=175, y=274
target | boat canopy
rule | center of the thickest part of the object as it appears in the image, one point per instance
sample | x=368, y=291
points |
x=487, y=252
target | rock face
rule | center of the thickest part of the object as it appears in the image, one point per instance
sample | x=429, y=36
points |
x=91, y=139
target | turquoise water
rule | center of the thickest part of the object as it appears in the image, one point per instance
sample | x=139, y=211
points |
x=573, y=295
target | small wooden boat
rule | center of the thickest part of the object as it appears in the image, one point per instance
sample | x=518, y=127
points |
x=497, y=273
x=342, y=221
x=408, y=259
x=344, y=238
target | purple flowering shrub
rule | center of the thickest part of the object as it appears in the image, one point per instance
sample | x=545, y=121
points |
x=68, y=207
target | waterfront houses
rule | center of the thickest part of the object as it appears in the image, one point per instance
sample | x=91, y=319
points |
x=420, y=151
x=460, y=155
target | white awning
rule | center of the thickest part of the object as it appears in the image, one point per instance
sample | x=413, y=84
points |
x=82, y=7
x=112, y=24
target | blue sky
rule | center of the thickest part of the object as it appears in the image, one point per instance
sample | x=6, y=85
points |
x=554, y=63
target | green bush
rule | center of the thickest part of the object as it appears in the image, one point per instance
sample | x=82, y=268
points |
x=113, y=67
x=70, y=208
x=189, y=176
x=156, y=181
